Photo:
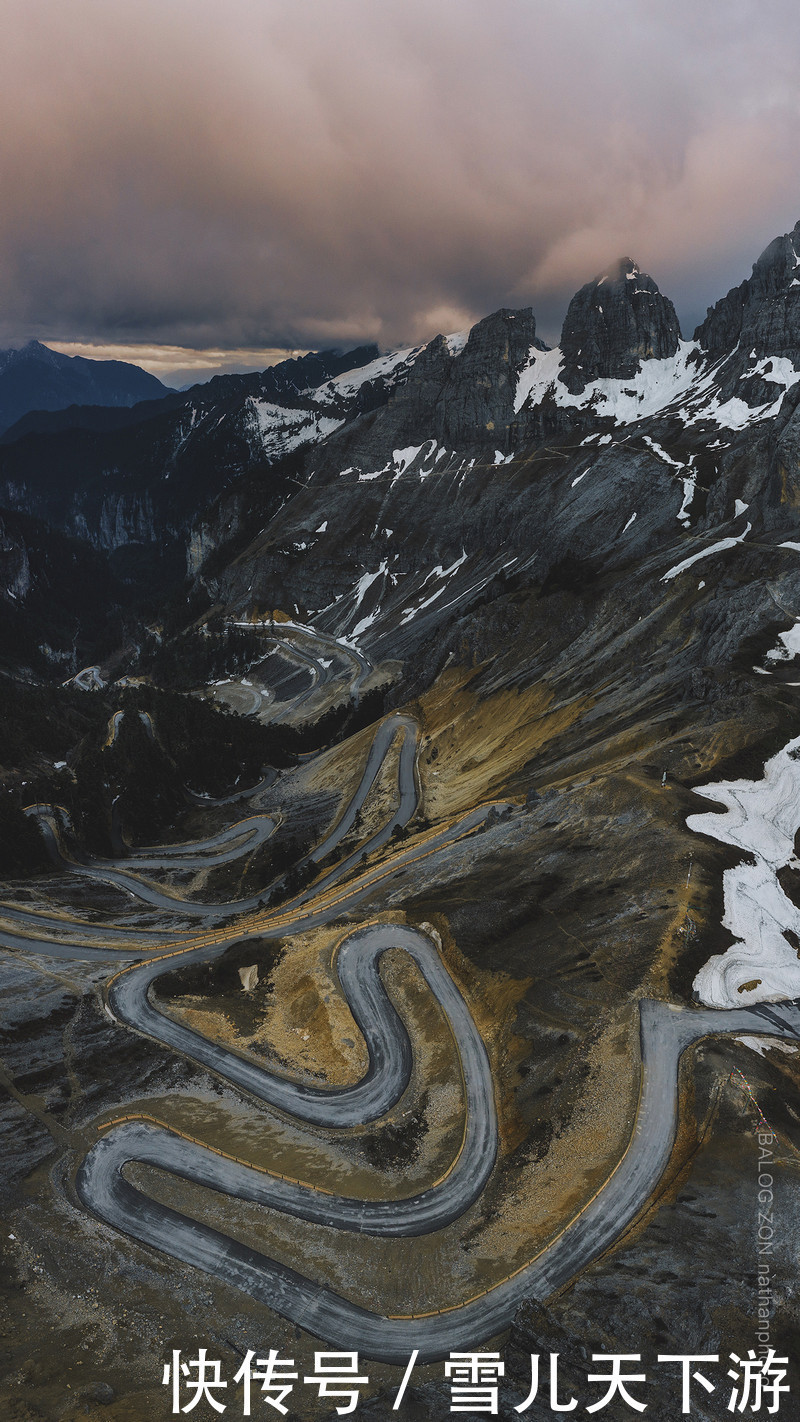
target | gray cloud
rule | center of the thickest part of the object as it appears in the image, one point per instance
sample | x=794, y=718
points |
x=310, y=172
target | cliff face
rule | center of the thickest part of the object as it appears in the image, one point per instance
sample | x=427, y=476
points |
x=190, y=481
x=479, y=453
x=58, y=598
x=15, y=568
x=757, y=324
x=138, y=482
x=496, y=452
x=613, y=324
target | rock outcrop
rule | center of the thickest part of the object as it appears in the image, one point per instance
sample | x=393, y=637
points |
x=15, y=567
x=58, y=597
x=756, y=323
x=613, y=324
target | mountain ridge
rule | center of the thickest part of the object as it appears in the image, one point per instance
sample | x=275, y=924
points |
x=429, y=452
x=35, y=377
x=613, y=324
x=581, y=590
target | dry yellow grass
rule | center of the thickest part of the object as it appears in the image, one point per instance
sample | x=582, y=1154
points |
x=481, y=741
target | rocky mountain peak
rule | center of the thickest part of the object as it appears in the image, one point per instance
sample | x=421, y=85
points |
x=757, y=320
x=613, y=324
x=34, y=377
x=466, y=397
x=624, y=268
x=34, y=350
x=506, y=337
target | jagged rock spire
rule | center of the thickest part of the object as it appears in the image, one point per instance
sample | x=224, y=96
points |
x=759, y=318
x=469, y=397
x=613, y=324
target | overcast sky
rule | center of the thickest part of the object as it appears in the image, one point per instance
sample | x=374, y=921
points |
x=254, y=175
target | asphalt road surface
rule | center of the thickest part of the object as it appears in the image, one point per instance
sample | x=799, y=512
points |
x=387, y=1076
x=259, y=827
x=666, y=1032
x=335, y=646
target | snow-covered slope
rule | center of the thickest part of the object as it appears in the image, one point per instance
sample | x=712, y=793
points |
x=490, y=452
x=685, y=384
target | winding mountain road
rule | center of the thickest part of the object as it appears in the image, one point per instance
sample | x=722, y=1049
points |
x=259, y=828
x=387, y=1076
x=327, y=643
x=665, y=1033
x=231, y=843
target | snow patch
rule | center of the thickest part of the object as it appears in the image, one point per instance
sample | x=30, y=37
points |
x=705, y=553
x=456, y=342
x=689, y=486
x=677, y=380
x=655, y=385
x=281, y=430
x=662, y=454
x=442, y=575
x=362, y=587
x=790, y=647
x=736, y=414
x=759, y=817
x=386, y=367
x=401, y=458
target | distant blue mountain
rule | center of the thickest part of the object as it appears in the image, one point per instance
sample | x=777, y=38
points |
x=36, y=378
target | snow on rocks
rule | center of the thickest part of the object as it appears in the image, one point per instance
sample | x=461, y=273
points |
x=683, y=382
x=420, y=459
x=456, y=342
x=689, y=481
x=736, y=414
x=655, y=385
x=662, y=453
x=705, y=553
x=441, y=575
x=689, y=486
x=389, y=368
x=282, y=430
x=365, y=582
x=760, y=817
x=790, y=648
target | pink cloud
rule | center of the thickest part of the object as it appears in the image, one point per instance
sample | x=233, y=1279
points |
x=271, y=172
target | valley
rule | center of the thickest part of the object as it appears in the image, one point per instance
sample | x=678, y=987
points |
x=380, y=962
